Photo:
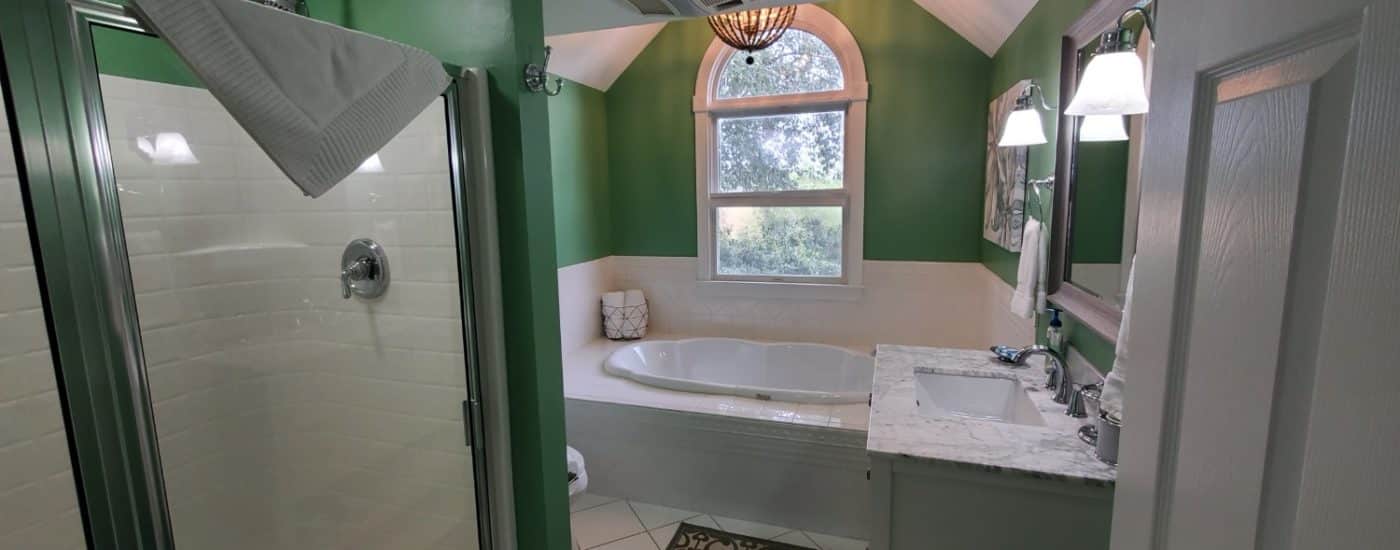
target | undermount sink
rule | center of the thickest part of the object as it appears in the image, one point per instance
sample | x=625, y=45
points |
x=975, y=397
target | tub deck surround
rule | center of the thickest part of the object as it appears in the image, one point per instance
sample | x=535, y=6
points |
x=897, y=430
x=777, y=371
x=585, y=379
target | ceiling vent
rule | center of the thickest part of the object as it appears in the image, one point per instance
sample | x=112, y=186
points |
x=684, y=8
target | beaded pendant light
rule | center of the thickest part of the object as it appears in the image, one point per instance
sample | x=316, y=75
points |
x=752, y=30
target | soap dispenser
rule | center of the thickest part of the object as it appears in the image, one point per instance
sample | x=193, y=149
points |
x=1054, y=335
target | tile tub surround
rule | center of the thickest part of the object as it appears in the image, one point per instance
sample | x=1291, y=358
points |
x=287, y=416
x=1053, y=451
x=945, y=304
x=38, y=500
x=768, y=371
x=585, y=379
x=717, y=453
x=581, y=288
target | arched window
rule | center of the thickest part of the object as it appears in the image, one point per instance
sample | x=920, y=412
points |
x=780, y=158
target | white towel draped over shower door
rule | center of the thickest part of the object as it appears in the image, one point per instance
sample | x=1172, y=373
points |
x=318, y=98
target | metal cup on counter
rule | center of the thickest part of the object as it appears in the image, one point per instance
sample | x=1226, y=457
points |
x=1104, y=432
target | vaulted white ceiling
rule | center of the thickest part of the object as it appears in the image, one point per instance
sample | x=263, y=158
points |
x=597, y=58
x=595, y=40
x=984, y=23
x=572, y=16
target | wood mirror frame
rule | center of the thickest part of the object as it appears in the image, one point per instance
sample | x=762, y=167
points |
x=1093, y=312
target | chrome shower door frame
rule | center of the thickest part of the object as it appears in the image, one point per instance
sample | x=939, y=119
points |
x=81, y=256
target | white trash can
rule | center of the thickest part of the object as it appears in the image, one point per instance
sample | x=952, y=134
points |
x=578, y=474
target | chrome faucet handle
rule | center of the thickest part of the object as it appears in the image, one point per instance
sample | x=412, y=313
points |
x=357, y=271
x=1076, y=404
x=364, y=270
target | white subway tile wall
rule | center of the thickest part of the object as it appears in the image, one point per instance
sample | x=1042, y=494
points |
x=38, y=501
x=287, y=416
x=960, y=305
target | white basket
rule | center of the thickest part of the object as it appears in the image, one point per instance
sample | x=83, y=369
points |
x=625, y=322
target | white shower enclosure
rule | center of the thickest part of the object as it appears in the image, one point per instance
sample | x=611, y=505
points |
x=280, y=411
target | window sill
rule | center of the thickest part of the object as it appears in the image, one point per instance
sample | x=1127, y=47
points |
x=781, y=291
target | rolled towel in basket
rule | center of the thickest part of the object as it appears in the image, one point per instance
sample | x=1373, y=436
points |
x=625, y=315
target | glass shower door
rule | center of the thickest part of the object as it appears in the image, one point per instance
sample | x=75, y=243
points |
x=289, y=416
x=38, y=503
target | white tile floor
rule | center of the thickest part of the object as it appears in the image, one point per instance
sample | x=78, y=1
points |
x=605, y=523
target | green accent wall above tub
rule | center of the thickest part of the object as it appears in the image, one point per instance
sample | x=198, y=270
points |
x=924, y=139
x=578, y=151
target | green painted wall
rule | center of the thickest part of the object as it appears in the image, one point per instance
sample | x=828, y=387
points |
x=578, y=147
x=1102, y=188
x=925, y=137
x=132, y=55
x=1033, y=51
x=501, y=36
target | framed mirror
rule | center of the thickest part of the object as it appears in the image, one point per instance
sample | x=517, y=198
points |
x=1097, y=179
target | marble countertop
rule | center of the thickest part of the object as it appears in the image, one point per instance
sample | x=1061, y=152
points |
x=1053, y=451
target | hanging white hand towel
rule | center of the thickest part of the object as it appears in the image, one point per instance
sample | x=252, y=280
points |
x=1030, y=274
x=318, y=98
x=1112, y=401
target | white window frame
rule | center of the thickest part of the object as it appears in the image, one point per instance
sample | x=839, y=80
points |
x=851, y=99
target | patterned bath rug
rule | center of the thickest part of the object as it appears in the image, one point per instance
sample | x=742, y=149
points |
x=695, y=537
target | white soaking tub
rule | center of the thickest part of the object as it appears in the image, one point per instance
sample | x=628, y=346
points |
x=798, y=373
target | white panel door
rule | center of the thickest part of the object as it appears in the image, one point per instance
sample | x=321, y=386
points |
x=1264, y=407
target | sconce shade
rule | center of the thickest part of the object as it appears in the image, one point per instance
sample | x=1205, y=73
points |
x=752, y=30
x=1113, y=84
x=1103, y=128
x=1023, y=127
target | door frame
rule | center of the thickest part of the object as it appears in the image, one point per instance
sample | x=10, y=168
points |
x=84, y=279
x=1189, y=62
x=69, y=187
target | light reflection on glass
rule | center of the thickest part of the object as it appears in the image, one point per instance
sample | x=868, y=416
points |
x=372, y=165
x=167, y=149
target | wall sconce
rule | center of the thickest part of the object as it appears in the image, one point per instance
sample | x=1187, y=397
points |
x=1113, y=83
x=1023, y=125
x=1103, y=128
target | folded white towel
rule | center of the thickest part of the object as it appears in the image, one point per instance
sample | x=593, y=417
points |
x=615, y=299
x=634, y=298
x=318, y=98
x=1113, y=384
x=1030, y=274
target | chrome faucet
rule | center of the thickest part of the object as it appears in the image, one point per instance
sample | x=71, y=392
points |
x=1059, y=380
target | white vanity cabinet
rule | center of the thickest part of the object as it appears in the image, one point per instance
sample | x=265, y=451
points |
x=919, y=505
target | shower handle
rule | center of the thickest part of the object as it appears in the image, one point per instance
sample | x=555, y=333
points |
x=359, y=271
x=364, y=270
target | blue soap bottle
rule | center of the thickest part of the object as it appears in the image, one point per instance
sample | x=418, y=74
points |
x=1054, y=335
